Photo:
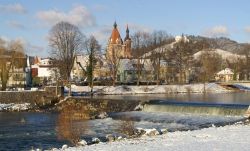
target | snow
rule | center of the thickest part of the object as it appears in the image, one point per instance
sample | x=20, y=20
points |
x=150, y=89
x=167, y=47
x=151, y=132
x=15, y=107
x=225, y=55
x=64, y=147
x=95, y=140
x=82, y=143
x=231, y=137
x=102, y=115
x=226, y=71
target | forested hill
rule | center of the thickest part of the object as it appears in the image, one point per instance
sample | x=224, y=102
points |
x=220, y=43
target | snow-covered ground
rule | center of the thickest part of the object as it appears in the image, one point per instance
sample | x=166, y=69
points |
x=151, y=89
x=243, y=86
x=231, y=137
x=15, y=107
x=226, y=55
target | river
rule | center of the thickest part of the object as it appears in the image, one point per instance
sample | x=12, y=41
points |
x=27, y=130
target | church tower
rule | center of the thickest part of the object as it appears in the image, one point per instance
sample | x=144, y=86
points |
x=116, y=47
x=115, y=44
x=127, y=43
x=115, y=37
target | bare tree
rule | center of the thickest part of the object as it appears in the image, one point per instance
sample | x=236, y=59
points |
x=148, y=46
x=139, y=47
x=94, y=51
x=157, y=41
x=159, y=38
x=113, y=60
x=65, y=40
x=246, y=52
x=11, y=55
x=210, y=64
x=181, y=54
x=156, y=58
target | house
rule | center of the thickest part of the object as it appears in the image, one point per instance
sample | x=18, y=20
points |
x=79, y=68
x=43, y=71
x=225, y=75
x=78, y=72
x=15, y=67
x=128, y=70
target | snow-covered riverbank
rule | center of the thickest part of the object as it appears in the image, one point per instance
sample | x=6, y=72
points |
x=151, y=89
x=231, y=137
x=15, y=107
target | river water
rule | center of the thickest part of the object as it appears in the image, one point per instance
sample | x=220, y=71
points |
x=26, y=130
x=227, y=97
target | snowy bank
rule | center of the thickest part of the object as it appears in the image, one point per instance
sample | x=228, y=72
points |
x=231, y=137
x=15, y=107
x=150, y=89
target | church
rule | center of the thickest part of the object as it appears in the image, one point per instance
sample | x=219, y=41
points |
x=117, y=47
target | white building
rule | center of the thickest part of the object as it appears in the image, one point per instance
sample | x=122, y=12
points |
x=79, y=67
x=225, y=75
x=42, y=70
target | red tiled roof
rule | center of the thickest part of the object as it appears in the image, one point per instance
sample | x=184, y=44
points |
x=115, y=35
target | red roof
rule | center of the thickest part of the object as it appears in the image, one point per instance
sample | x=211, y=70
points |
x=115, y=35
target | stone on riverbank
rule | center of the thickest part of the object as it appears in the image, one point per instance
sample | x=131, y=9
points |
x=95, y=140
x=151, y=132
x=110, y=138
x=64, y=147
x=82, y=143
x=102, y=115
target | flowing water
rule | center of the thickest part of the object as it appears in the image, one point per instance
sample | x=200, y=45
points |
x=197, y=108
x=24, y=130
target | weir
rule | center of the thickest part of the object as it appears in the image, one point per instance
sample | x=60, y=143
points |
x=197, y=108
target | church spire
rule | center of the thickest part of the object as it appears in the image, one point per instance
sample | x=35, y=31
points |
x=115, y=25
x=127, y=33
x=127, y=30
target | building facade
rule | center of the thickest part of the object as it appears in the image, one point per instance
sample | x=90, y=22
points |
x=225, y=75
x=42, y=71
x=117, y=47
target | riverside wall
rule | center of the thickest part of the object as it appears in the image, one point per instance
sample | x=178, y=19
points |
x=32, y=97
x=101, y=105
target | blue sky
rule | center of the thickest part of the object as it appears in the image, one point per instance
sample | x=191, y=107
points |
x=31, y=20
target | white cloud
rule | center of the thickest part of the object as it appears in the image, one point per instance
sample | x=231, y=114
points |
x=12, y=8
x=247, y=29
x=102, y=34
x=217, y=31
x=78, y=15
x=4, y=38
x=30, y=49
x=15, y=24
